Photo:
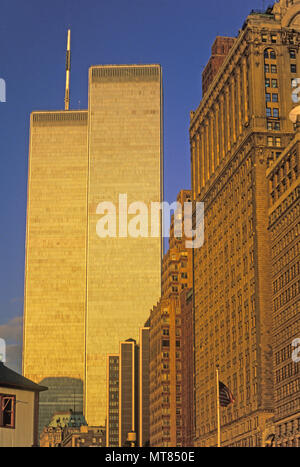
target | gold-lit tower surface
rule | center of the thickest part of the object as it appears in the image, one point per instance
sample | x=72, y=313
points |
x=240, y=126
x=84, y=294
x=125, y=156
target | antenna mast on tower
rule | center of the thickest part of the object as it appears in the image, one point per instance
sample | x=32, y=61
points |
x=68, y=69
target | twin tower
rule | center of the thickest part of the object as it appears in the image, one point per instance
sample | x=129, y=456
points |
x=84, y=294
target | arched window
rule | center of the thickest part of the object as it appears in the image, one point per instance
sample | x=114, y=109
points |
x=270, y=53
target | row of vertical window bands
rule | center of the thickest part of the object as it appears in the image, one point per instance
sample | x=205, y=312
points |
x=286, y=240
x=286, y=278
x=286, y=315
x=281, y=188
x=290, y=407
x=284, y=354
x=289, y=256
x=285, y=297
x=284, y=206
x=292, y=369
x=289, y=332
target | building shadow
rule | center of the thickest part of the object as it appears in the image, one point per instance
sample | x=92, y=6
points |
x=63, y=394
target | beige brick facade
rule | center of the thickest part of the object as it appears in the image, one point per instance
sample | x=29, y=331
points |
x=284, y=226
x=241, y=123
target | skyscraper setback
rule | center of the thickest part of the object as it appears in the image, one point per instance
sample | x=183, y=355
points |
x=84, y=294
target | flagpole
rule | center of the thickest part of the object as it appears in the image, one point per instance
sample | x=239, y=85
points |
x=218, y=408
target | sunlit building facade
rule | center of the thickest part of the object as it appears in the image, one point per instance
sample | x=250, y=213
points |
x=284, y=225
x=187, y=354
x=85, y=293
x=241, y=121
x=166, y=357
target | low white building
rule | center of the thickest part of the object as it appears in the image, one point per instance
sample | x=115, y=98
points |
x=19, y=408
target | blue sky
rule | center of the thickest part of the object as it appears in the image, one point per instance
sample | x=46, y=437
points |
x=178, y=34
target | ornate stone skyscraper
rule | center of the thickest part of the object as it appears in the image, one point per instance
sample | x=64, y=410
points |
x=84, y=294
x=241, y=123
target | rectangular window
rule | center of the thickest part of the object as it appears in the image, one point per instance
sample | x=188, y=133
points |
x=264, y=37
x=273, y=38
x=276, y=126
x=7, y=411
x=274, y=97
x=270, y=141
x=273, y=69
x=293, y=54
x=269, y=113
x=294, y=82
x=278, y=142
x=268, y=97
x=267, y=68
x=273, y=126
x=267, y=82
x=293, y=68
x=274, y=83
x=276, y=113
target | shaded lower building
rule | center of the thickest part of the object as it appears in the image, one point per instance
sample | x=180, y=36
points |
x=61, y=424
x=128, y=393
x=144, y=386
x=165, y=374
x=187, y=328
x=166, y=352
x=112, y=417
x=128, y=390
x=63, y=395
x=86, y=436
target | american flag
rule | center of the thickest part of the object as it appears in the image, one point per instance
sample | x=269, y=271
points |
x=225, y=395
